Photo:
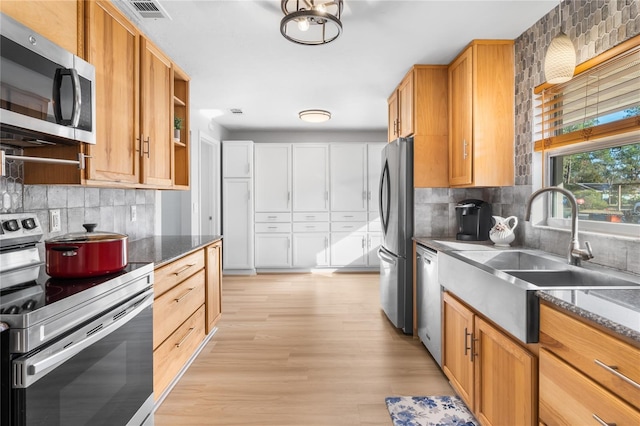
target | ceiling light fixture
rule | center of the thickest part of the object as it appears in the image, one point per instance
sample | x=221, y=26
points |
x=311, y=22
x=560, y=60
x=314, y=115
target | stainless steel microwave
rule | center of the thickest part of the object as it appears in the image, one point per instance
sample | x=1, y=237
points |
x=48, y=93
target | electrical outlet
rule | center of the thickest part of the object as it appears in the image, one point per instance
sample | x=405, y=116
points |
x=134, y=214
x=54, y=221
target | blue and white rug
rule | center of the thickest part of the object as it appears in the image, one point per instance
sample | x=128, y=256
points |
x=429, y=411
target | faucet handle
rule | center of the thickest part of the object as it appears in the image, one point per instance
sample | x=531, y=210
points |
x=587, y=244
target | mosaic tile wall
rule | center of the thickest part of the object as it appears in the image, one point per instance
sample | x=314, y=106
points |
x=594, y=26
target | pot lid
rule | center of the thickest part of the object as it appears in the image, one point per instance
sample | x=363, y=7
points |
x=90, y=236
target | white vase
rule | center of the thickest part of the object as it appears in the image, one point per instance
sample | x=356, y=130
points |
x=176, y=134
x=502, y=233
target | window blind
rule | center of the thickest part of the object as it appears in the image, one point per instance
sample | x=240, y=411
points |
x=599, y=102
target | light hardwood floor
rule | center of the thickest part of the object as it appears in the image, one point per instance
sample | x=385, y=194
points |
x=304, y=350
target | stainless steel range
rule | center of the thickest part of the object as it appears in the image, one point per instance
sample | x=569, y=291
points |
x=74, y=351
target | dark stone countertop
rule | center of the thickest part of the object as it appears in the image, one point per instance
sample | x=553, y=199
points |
x=615, y=310
x=164, y=249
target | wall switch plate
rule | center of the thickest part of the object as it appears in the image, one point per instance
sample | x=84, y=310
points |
x=54, y=221
x=134, y=214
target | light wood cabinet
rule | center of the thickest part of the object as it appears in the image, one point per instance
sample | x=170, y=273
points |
x=481, y=115
x=139, y=91
x=156, y=116
x=494, y=375
x=61, y=21
x=181, y=145
x=187, y=305
x=581, y=363
x=418, y=108
x=213, y=285
x=113, y=45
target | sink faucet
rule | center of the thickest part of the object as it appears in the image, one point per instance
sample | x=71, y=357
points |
x=575, y=254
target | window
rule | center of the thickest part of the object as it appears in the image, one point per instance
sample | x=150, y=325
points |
x=588, y=130
x=605, y=179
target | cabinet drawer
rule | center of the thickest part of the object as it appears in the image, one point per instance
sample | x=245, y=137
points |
x=348, y=227
x=273, y=227
x=374, y=226
x=273, y=217
x=348, y=216
x=169, y=275
x=568, y=397
x=172, y=308
x=590, y=351
x=311, y=217
x=311, y=227
x=171, y=355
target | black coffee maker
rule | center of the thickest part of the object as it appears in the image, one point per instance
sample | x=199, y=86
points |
x=474, y=220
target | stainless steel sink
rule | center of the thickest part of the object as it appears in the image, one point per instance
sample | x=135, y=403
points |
x=572, y=280
x=502, y=284
x=515, y=260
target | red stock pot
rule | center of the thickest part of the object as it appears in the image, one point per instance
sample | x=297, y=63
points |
x=86, y=254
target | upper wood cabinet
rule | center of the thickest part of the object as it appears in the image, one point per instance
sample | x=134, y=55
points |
x=481, y=115
x=58, y=20
x=156, y=116
x=139, y=91
x=418, y=108
x=181, y=145
x=113, y=46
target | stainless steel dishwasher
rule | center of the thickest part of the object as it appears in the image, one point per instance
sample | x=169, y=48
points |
x=429, y=301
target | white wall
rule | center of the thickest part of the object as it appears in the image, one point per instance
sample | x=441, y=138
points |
x=180, y=210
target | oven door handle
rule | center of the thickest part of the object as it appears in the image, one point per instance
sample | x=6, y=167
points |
x=114, y=320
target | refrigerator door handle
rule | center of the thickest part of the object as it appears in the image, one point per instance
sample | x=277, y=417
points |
x=385, y=257
x=384, y=210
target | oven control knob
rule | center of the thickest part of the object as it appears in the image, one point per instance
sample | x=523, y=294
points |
x=29, y=223
x=11, y=225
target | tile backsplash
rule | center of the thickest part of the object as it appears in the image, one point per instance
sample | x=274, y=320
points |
x=109, y=208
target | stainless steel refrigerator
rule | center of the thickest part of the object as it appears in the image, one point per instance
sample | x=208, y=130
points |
x=396, y=215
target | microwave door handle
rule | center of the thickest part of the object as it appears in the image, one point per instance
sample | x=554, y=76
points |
x=77, y=96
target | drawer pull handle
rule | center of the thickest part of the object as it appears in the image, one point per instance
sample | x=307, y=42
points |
x=614, y=370
x=602, y=422
x=185, y=337
x=272, y=217
x=178, y=299
x=272, y=227
x=348, y=215
x=184, y=268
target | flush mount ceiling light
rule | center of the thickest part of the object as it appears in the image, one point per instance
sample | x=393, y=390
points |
x=560, y=60
x=311, y=22
x=314, y=115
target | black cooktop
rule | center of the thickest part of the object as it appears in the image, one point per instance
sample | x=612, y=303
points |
x=32, y=295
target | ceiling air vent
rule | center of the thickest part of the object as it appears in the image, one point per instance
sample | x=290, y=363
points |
x=150, y=9
x=236, y=111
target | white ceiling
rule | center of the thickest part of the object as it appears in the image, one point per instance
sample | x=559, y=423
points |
x=236, y=57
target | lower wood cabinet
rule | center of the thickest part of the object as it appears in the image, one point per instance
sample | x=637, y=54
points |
x=586, y=373
x=186, y=308
x=492, y=373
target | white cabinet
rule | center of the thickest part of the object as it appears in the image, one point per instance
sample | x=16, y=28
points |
x=374, y=164
x=237, y=160
x=374, y=240
x=310, y=249
x=273, y=177
x=348, y=249
x=311, y=178
x=273, y=250
x=348, y=177
x=237, y=225
x=237, y=206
